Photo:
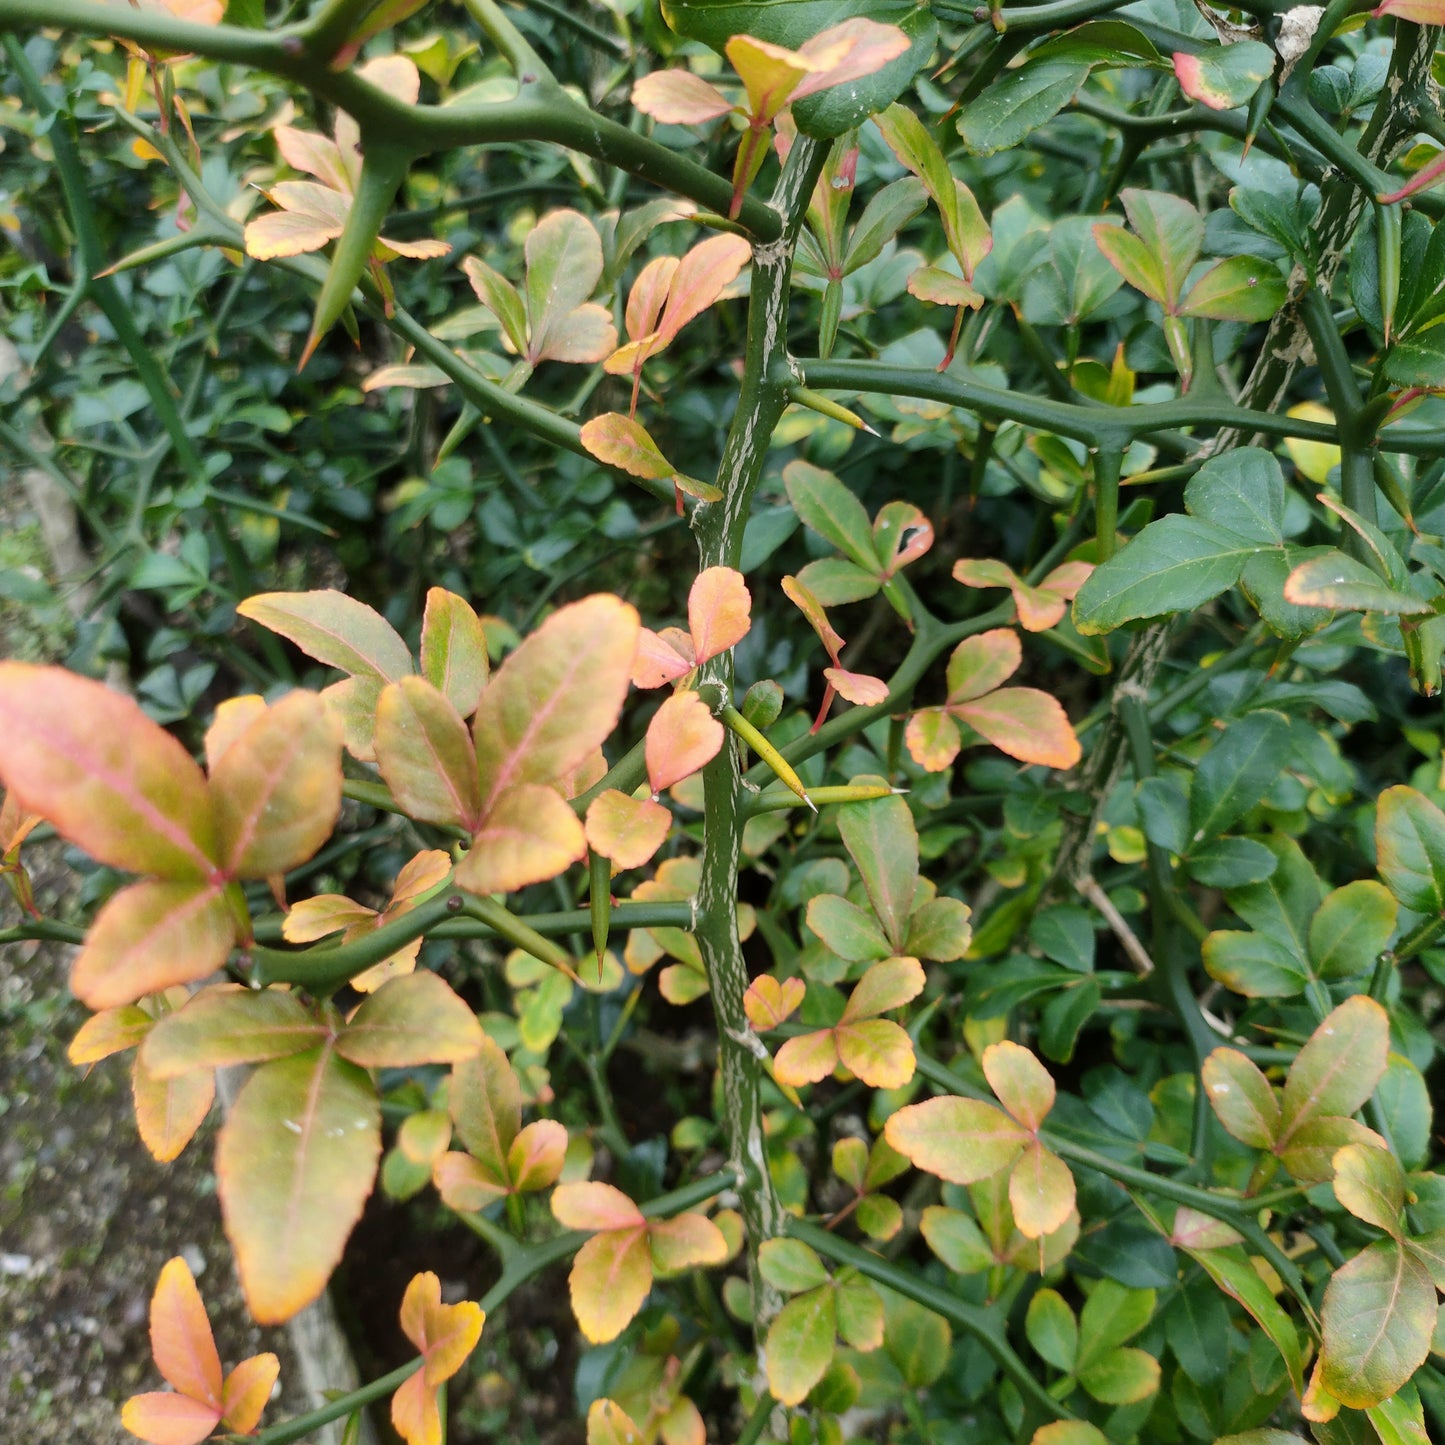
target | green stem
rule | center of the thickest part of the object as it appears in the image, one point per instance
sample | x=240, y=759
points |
x=291, y=1431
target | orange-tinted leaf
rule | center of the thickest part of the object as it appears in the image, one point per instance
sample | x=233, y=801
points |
x=169, y=1111
x=806, y=1059
x=181, y=1341
x=662, y=657
x=770, y=73
x=1340, y=1064
x=295, y=1164
x=467, y=1185
x=610, y=1279
x=627, y=830
x=163, y=1418
x=685, y=1242
x=454, y=649
x=857, y=687
x=681, y=738
x=960, y=1140
x=1242, y=1098
x=537, y=1155
x=315, y=155
x=415, y=1413
x=648, y=295
x=314, y=918
x=109, y=1032
x=353, y=704
x=415, y=1019
x=812, y=609
x=678, y=97
x=564, y=263
x=1040, y=1191
x=584, y=335
x=623, y=442
x=942, y=288
x=1024, y=1087
x=933, y=739
x=91, y=763
x=887, y=985
x=420, y=875
x=596, y=1206
x=557, y=697
x=426, y=249
x=769, y=1002
x=232, y=718
x=485, y=1100
x=247, y=1389
x=1024, y=723
x=424, y=1136
x=718, y=611
x=277, y=789
x=701, y=277
x=334, y=629
x=290, y=232
x=149, y=936
x=444, y=1334
x=225, y=1025
x=425, y=754
x=901, y=534
x=878, y=1051
x=869, y=47
x=980, y=664
x=609, y=1424
x=529, y=835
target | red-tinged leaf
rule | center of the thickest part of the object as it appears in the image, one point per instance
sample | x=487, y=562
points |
x=610, y=1280
x=806, y=1059
x=812, y=609
x=91, y=763
x=1223, y=77
x=595, y=1206
x=537, y=1155
x=529, y=835
x=247, y=1390
x=887, y=985
x=226, y=1025
x=769, y=1001
x=334, y=629
x=1340, y=1064
x=682, y=736
x=467, y=1185
x=678, y=97
x=163, y=1418
x=1419, y=12
x=942, y=288
x=1196, y=1230
x=1023, y=1086
x=901, y=534
x=169, y=1111
x=564, y=264
x=982, y=663
x=648, y=296
x=557, y=697
x=291, y=232
x=295, y=1164
x=1309, y=1151
x=1038, y=610
x=1040, y=1191
x=609, y=1424
x=1242, y=1098
x=443, y=1334
x=426, y=755
x=770, y=74
x=1024, y=723
x=182, y=1344
x=501, y=298
x=315, y=155
x=718, y=611
x=232, y=718
x=878, y=1051
x=454, y=649
x=314, y=918
x=682, y=984
x=583, y=336
x=276, y=790
x=1067, y=579
x=621, y=441
x=932, y=739
x=702, y=275
x=150, y=936
x=624, y=829
x=426, y=249
x=420, y=875
x=857, y=687
x=870, y=46
x=662, y=657
x=485, y=1100
x=111, y=1031
x=353, y=704
x=686, y=1242
x=415, y=1412
x=960, y=1140
x=415, y=1019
